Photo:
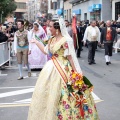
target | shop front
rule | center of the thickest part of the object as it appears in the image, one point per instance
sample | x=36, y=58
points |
x=95, y=12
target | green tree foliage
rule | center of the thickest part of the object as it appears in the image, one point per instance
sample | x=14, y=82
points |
x=7, y=6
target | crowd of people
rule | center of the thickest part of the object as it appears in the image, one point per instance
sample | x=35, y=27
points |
x=7, y=32
x=91, y=35
x=102, y=34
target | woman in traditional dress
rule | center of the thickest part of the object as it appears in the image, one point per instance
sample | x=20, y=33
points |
x=52, y=99
x=37, y=58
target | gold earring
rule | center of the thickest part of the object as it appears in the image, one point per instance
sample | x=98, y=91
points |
x=57, y=32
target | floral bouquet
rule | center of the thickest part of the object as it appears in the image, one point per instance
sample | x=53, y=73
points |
x=78, y=83
x=77, y=86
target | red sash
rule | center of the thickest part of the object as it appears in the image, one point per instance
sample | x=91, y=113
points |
x=79, y=99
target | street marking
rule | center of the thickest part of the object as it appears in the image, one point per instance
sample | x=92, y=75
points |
x=14, y=105
x=18, y=92
x=33, y=74
x=2, y=74
x=16, y=87
x=26, y=77
x=26, y=102
x=15, y=67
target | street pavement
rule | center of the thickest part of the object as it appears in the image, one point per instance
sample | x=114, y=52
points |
x=15, y=95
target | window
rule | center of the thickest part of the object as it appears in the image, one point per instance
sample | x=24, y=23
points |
x=96, y=15
x=117, y=10
x=70, y=14
x=21, y=5
x=85, y=16
x=51, y=4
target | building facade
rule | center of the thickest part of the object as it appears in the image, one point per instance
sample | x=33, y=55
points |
x=21, y=9
x=67, y=10
x=35, y=9
x=56, y=7
x=115, y=9
x=92, y=9
x=52, y=6
x=32, y=9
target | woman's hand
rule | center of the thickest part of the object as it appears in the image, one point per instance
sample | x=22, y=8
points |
x=33, y=41
x=71, y=62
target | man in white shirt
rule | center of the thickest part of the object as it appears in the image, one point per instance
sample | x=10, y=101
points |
x=22, y=47
x=91, y=36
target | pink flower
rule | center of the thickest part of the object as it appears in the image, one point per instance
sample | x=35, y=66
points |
x=72, y=71
x=60, y=117
x=56, y=55
x=73, y=81
x=95, y=106
x=67, y=106
x=70, y=117
x=77, y=117
x=64, y=102
x=66, y=45
x=77, y=78
x=90, y=111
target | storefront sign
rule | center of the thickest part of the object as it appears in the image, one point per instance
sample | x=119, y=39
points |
x=77, y=12
x=90, y=9
x=96, y=6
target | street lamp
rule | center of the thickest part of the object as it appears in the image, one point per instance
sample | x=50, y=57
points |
x=1, y=16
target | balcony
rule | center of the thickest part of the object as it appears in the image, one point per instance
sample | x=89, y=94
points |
x=77, y=1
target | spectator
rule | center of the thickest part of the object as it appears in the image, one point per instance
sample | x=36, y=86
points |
x=114, y=24
x=45, y=26
x=118, y=16
x=48, y=29
x=118, y=33
x=3, y=35
x=80, y=34
x=69, y=29
x=108, y=36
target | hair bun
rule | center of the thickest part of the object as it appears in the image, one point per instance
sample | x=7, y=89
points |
x=56, y=25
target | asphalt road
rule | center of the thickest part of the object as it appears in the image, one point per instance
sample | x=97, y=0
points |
x=15, y=95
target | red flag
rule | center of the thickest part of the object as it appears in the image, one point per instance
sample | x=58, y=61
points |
x=74, y=21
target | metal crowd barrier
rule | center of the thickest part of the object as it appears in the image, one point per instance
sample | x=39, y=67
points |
x=4, y=53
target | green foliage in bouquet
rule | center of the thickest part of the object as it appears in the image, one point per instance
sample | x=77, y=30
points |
x=70, y=89
x=87, y=82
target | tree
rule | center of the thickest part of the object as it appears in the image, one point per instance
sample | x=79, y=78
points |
x=7, y=6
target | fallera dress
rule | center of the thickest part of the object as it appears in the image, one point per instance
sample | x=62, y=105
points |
x=51, y=99
x=36, y=59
